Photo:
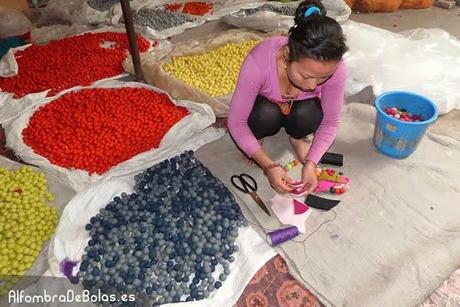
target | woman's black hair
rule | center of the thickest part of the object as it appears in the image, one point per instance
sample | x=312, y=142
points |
x=315, y=35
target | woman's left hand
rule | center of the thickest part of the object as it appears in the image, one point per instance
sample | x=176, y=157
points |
x=309, y=178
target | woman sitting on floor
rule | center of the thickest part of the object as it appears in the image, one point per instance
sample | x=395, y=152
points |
x=296, y=82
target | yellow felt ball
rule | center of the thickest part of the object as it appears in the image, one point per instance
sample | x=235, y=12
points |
x=27, y=220
x=214, y=72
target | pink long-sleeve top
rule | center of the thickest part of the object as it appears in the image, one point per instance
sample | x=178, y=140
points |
x=258, y=76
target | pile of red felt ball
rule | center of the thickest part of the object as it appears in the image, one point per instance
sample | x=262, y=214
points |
x=69, y=62
x=197, y=8
x=96, y=129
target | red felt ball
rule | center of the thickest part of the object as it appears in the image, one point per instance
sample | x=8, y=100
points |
x=197, y=8
x=402, y=114
x=69, y=62
x=96, y=129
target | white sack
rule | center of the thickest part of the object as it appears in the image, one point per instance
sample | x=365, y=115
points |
x=200, y=117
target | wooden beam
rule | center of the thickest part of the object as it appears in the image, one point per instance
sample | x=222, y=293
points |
x=129, y=25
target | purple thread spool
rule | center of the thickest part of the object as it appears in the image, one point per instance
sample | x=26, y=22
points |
x=282, y=235
x=66, y=267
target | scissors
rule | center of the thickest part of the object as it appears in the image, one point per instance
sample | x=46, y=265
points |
x=248, y=185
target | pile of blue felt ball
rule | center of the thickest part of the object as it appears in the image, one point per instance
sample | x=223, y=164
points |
x=172, y=240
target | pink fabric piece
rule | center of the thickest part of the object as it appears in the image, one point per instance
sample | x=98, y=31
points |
x=258, y=76
x=298, y=190
x=325, y=185
x=299, y=207
x=283, y=207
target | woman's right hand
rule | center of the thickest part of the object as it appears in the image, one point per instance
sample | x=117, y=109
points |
x=279, y=180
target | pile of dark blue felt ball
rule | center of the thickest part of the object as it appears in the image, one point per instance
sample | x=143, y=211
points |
x=160, y=20
x=172, y=240
x=287, y=10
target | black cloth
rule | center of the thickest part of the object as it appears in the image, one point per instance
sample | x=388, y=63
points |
x=266, y=118
x=321, y=203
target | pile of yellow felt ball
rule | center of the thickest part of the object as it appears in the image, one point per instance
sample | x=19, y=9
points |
x=214, y=72
x=27, y=221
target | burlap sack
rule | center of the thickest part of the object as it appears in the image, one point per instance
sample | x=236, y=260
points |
x=377, y=5
x=350, y=3
x=156, y=76
x=416, y=4
x=387, y=5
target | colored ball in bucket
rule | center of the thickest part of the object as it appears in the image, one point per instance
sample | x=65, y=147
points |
x=402, y=114
x=396, y=137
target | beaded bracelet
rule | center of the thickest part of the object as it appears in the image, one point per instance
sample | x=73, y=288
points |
x=271, y=166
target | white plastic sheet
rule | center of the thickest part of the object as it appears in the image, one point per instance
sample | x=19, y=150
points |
x=11, y=107
x=71, y=238
x=270, y=21
x=426, y=61
x=200, y=117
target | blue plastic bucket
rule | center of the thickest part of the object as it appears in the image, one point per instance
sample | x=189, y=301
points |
x=395, y=138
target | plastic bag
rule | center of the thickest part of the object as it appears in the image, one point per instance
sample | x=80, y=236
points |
x=425, y=61
x=200, y=117
x=267, y=20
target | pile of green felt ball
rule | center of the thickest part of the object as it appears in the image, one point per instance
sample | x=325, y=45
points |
x=27, y=221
